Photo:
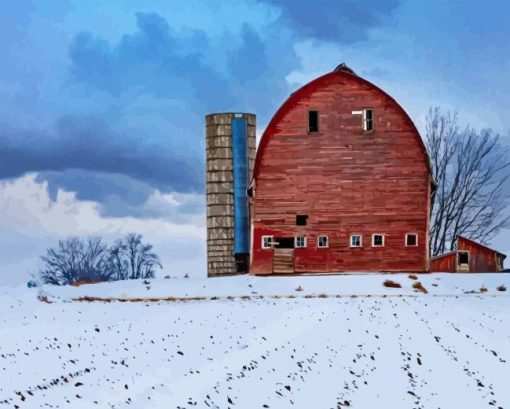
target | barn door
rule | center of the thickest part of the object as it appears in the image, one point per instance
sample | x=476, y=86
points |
x=283, y=259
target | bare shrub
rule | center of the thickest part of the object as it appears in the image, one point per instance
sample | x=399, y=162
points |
x=413, y=276
x=298, y=288
x=483, y=289
x=391, y=284
x=501, y=288
x=418, y=287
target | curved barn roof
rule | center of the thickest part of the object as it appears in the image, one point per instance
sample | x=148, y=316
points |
x=341, y=72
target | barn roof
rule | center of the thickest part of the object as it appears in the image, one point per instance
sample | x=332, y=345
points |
x=480, y=245
x=341, y=70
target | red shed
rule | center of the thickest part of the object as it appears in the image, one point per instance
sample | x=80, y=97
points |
x=341, y=183
x=471, y=257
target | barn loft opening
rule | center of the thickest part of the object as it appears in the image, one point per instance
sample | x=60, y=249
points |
x=463, y=257
x=313, y=121
x=368, y=119
x=301, y=219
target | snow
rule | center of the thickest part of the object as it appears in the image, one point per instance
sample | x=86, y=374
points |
x=343, y=341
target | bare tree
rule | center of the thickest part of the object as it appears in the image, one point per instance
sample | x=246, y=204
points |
x=74, y=259
x=470, y=168
x=130, y=258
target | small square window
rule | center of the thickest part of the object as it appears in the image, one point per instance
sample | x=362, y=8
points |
x=313, y=121
x=411, y=239
x=463, y=257
x=267, y=242
x=368, y=120
x=301, y=219
x=378, y=240
x=300, y=242
x=356, y=240
x=322, y=241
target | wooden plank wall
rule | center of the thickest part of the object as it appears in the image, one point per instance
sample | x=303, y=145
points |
x=445, y=263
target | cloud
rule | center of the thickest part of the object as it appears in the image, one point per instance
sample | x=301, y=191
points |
x=343, y=21
x=31, y=220
x=90, y=144
x=153, y=60
x=118, y=195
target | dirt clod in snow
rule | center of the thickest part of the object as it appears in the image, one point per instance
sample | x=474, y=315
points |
x=392, y=284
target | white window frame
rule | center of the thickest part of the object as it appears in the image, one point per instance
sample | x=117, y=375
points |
x=365, y=120
x=270, y=242
x=411, y=245
x=319, y=241
x=296, y=242
x=360, y=240
x=383, y=240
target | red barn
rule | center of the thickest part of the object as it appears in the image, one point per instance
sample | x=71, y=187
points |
x=471, y=257
x=341, y=182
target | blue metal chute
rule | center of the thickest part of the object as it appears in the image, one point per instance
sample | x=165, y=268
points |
x=241, y=177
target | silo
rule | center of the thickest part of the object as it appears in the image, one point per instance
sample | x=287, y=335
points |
x=230, y=155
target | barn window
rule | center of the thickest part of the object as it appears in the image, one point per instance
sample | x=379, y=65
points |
x=313, y=121
x=300, y=241
x=377, y=240
x=368, y=120
x=463, y=257
x=356, y=240
x=322, y=241
x=301, y=219
x=411, y=239
x=267, y=242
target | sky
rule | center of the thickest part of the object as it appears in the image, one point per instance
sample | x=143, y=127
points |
x=102, y=104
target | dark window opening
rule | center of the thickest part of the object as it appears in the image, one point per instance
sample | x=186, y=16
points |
x=313, y=121
x=463, y=257
x=378, y=240
x=411, y=240
x=368, y=119
x=301, y=219
x=322, y=241
x=284, y=242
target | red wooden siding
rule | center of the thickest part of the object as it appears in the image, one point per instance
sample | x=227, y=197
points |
x=445, y=263
x=346, y=181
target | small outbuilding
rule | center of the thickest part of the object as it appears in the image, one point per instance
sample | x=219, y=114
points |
x=470, y=257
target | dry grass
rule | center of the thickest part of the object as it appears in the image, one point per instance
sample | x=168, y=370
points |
x=391, y=284
x=412, y=277
x=418, y=287
x=84, y=282
x=501, y=288
x=483, y=289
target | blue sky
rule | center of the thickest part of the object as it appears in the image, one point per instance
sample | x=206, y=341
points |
x=102, y=103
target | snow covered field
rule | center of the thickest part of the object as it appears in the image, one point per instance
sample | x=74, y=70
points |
x=244, y=342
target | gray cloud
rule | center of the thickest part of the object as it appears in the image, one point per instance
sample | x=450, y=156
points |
x=334, y=20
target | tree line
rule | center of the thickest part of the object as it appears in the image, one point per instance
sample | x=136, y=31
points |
x=77, y=259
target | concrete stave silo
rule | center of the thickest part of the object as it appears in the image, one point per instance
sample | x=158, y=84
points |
x=230, y=155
